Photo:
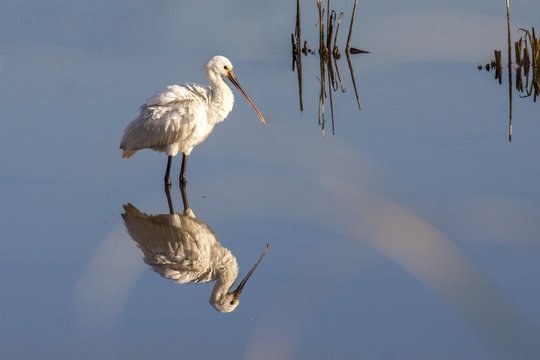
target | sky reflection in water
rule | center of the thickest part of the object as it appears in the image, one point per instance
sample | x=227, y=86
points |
x=411, y=233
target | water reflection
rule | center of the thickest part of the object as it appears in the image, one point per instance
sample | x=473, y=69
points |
x=526, y=66
x=527, y=50
x=184, y=249
x=329, y=54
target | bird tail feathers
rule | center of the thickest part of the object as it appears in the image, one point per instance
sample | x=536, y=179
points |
x=128, y=153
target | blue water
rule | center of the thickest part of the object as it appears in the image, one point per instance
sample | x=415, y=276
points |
x=412, y=233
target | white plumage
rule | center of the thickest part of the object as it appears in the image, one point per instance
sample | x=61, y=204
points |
x=185, y=250
x=182, y=116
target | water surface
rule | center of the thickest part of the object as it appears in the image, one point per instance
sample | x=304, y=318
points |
x=411, y=233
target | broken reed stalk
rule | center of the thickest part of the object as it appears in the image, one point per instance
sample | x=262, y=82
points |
x=294, y=51
x=347, y=47
x=321, y=65
x=526, y=61
x=300, y=93
x=509, y=71
x=322, y=95
x=297, y=53
x=298, y=26
x=330, y=92
x=297, y=59
x=335, y=49
x=332, y=85
x=527, y=83
x=518, y=45
x=328, y=49
x=328, y=17
x=535, y=50
x=349, y=62
x=321, y=27
x=518, y=49
x=498, y=65
x=328, y=58
x=338, y=76
x=519, y=78
x=329, y=30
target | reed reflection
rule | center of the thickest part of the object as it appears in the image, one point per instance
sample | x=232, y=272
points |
x=329, y=54
x=526, y=66
x=527, y=50
x=184, y=249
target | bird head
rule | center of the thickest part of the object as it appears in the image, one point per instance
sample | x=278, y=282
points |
x=223, y=67
x=228, y=301
x=219, y=65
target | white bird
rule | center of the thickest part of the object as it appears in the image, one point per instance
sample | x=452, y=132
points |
x=182, y=116
x=185, y=250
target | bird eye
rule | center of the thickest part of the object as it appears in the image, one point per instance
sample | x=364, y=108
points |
x=232, y=302
x=226, y=67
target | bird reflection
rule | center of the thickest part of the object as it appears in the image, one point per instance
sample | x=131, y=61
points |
x=182, y=248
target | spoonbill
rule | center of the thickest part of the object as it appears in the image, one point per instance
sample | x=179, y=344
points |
x=182, y=116
x=185, y=250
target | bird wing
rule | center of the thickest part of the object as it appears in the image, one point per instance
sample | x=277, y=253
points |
x=175, y=246
x=168, y=117
x=176, y=93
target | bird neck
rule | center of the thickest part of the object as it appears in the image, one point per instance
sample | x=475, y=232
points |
x=221, y=97
x=226, y=274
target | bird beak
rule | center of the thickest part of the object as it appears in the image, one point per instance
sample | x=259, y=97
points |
x=240, y=287
x=235, y=82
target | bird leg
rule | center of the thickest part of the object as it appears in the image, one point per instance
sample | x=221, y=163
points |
x=169, y=199
x=185, y=200
x=183, y=169
x=167, y=172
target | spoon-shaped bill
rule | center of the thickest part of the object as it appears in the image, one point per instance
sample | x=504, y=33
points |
x=235, y=82
x=240, y=287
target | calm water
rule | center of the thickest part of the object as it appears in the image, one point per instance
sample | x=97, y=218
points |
x=410, y=234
